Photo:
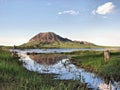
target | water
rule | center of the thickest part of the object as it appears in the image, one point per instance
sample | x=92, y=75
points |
x=60, y=64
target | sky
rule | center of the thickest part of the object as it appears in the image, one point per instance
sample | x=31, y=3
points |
x=96, y=21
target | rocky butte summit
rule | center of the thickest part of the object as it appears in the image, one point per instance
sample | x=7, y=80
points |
x=52, y=40
x=48, y=37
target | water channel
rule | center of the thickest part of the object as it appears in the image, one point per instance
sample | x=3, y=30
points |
x=59, y=64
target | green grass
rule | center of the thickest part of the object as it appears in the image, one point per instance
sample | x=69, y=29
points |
x=57, y=45
x=94, y=61
x=13, y=76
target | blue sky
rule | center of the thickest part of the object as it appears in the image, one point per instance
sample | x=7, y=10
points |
x=96, y=21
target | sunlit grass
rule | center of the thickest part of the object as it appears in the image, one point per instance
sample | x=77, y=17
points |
x=57, y=45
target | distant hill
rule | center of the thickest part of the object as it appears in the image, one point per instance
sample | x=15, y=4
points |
x=52, y=40
x=48, y=37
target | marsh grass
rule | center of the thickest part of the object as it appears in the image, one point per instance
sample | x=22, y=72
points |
x=94, y=61
x=13, y=76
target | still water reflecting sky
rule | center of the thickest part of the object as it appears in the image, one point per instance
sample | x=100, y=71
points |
x=60, y=64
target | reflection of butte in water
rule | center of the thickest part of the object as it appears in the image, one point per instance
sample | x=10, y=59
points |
x=47, y=59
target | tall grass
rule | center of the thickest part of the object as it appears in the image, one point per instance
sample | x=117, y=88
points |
x=13, y=76
x=94, y=61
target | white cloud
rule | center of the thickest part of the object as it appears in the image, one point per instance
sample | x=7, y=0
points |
x=70, y=12
x=104, y=9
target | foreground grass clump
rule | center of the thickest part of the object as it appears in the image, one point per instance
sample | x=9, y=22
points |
x=13, y=76
x=94, y=61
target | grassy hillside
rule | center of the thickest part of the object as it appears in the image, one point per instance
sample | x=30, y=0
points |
x=57, y=45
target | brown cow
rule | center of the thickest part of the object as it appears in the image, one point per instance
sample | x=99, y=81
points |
x=106, y=55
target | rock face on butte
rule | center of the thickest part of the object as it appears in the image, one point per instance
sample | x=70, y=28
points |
x=48, y=37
